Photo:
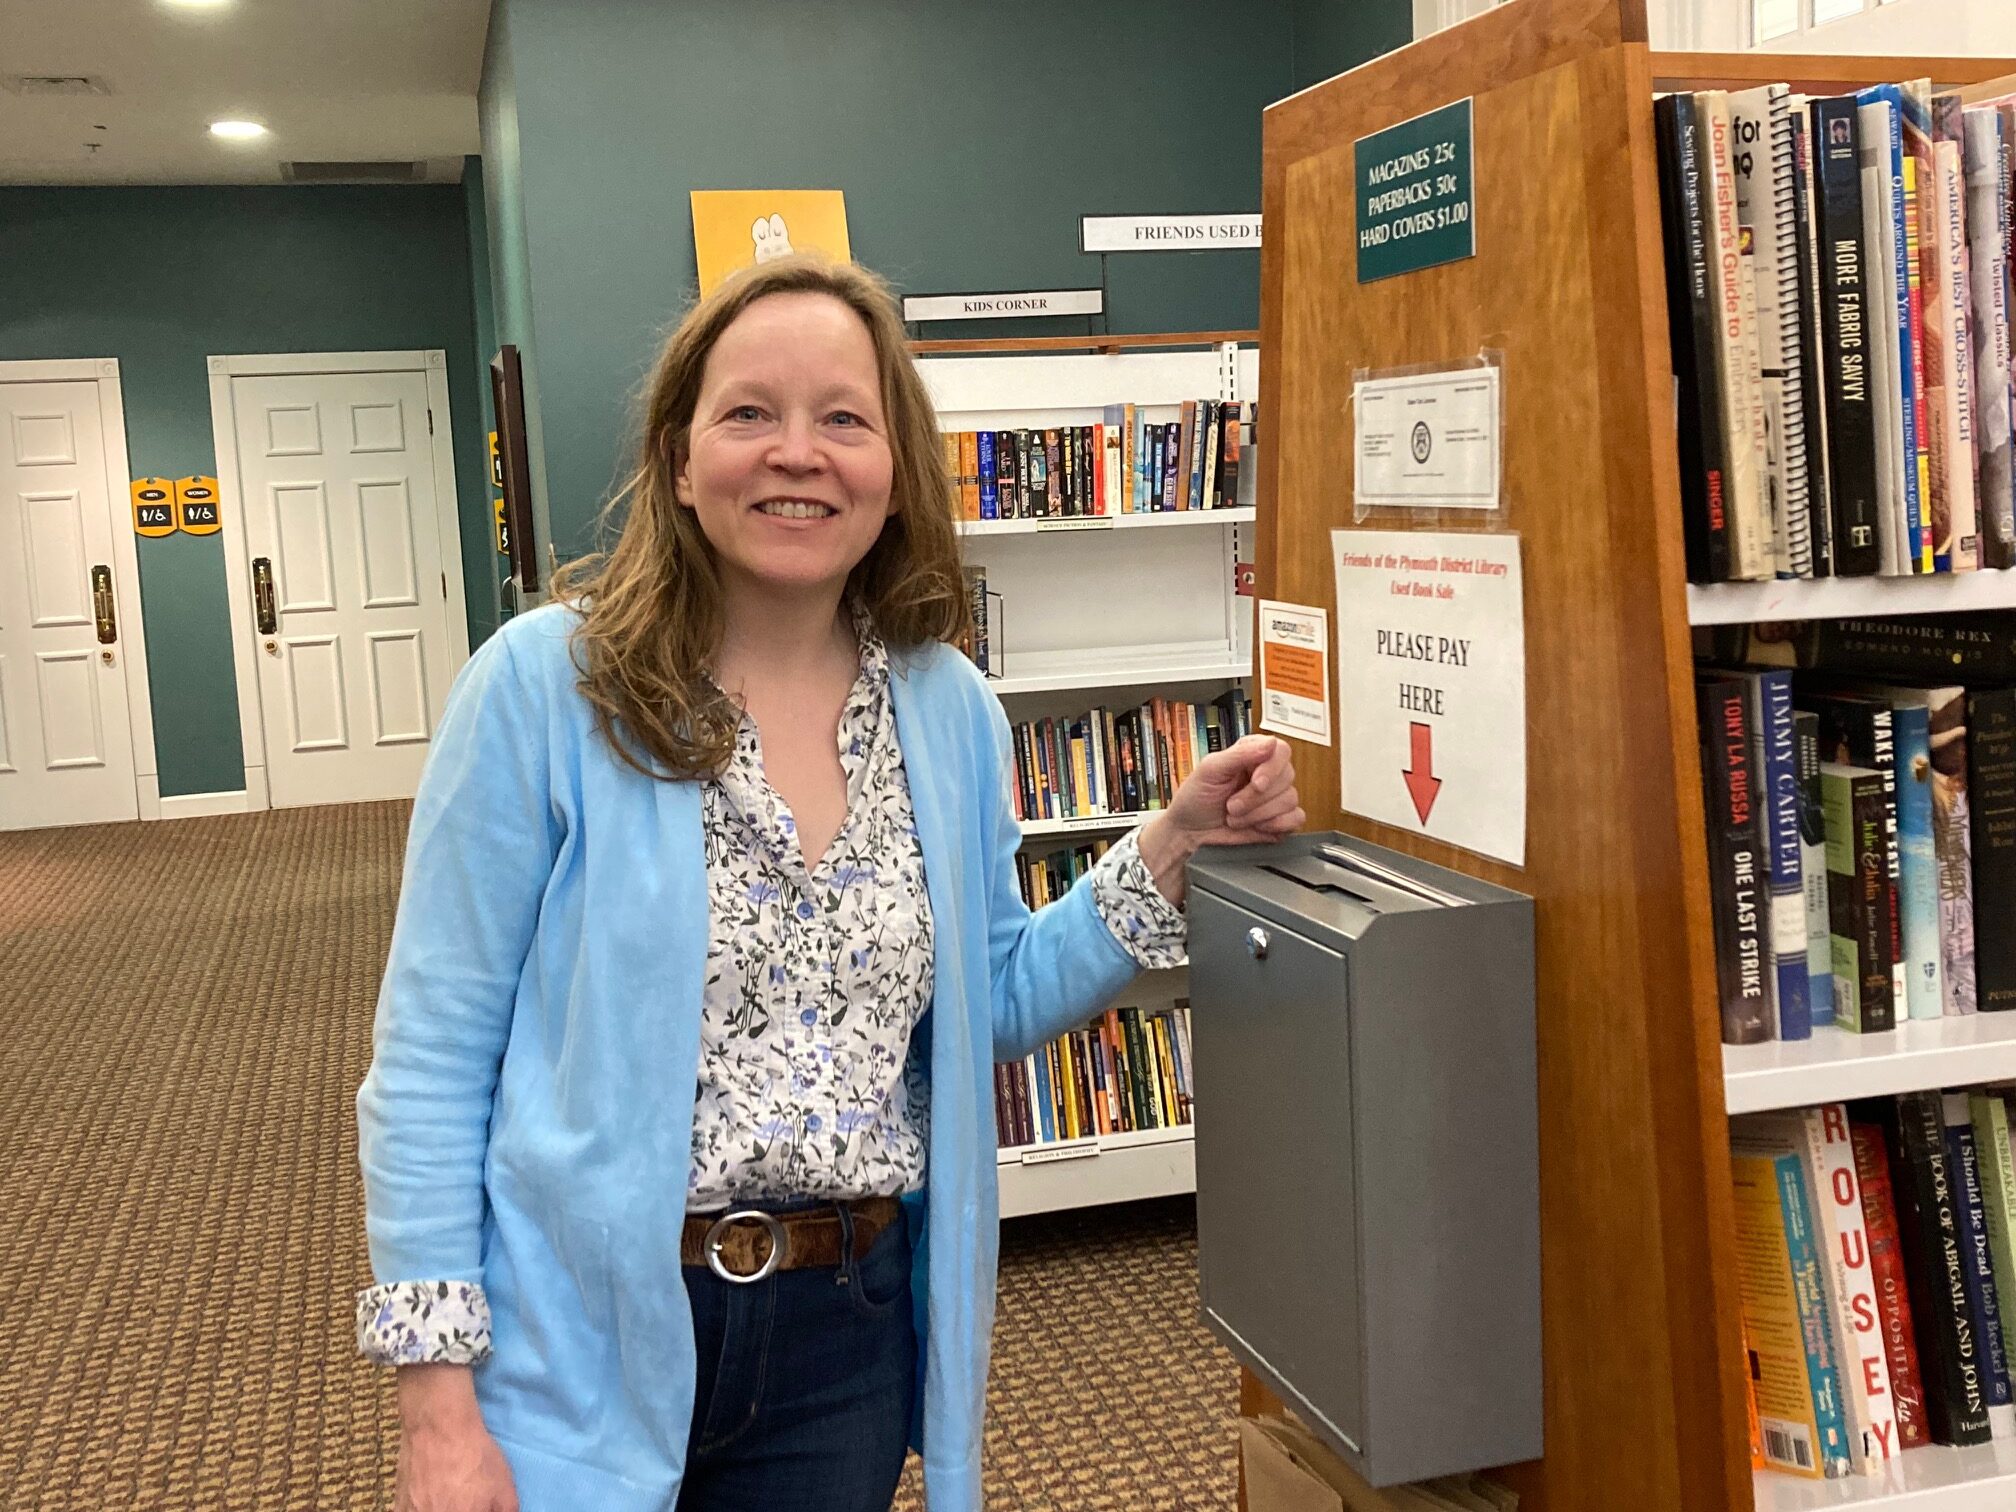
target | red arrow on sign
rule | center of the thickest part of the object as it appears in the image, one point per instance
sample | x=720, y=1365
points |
x=1422, y=783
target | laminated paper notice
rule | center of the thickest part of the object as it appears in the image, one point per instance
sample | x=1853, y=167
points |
x=1428, y=440
x=1295, y=671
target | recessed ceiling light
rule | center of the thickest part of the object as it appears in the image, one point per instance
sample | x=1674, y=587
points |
x=237, y=130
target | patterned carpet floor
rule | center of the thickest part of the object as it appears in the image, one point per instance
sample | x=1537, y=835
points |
x=185, y=1009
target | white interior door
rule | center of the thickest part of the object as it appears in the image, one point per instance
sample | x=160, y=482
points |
x=337, y=474
x=66, y=743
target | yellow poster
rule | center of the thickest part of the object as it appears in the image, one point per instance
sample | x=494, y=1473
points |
x=738, y=228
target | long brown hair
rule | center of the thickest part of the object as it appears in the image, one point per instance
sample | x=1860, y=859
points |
x=652, y=605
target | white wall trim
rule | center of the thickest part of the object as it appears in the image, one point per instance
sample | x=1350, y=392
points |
x=238, y=561
x=237, y=571
x=198, y=805
x=56, y=369
x=297, y=364
x=104, y=372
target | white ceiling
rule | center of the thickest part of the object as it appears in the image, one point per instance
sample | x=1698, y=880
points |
x=352, y=80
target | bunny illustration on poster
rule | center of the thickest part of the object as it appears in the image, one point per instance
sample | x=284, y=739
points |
x=772, y=239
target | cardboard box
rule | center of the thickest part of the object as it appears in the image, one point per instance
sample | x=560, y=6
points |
x=1288, y=1469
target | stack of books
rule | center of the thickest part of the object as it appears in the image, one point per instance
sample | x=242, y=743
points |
x=1876, y=1250
x=1123, y=464
x=1838, y=289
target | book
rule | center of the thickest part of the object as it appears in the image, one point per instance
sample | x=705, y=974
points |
x=1913, y=101
x=1739, y=872
x=1949, y=364
x=1813, y=866
x=1753, y=555
x=1846, y=318
x=1853, y=798
x=1956, y=1403
x=1983, y=160
x=1918, y=865
x=1990, y=1113
x=1761, y=120
x=1952, y=844
x=1893, y=1299
x=1889, y=308
x=1785, y=1314
x=1991, y=797
x=1976, y=1262
x=1774, y=760
x=1819, y=489
x=1861, y=731
x=1694, y=309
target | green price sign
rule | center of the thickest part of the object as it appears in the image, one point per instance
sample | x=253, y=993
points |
x=1417, y=201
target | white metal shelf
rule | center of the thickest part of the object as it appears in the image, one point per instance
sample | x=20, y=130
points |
x=1118, y=667
x=1043, y=1178
x=1081, y=524
x=1033, y=829
x=1836, y=1064
x=1931, y=1479
x=1848, y=598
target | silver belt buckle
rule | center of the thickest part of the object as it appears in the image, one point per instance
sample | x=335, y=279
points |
x=780, y=1244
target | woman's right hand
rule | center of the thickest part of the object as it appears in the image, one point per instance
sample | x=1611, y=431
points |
x=448, y=1462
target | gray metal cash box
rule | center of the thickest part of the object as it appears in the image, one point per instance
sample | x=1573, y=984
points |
x=1368, y=1210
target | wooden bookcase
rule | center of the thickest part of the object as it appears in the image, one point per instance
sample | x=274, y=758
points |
x=1111, y=610
x=1643, y=1362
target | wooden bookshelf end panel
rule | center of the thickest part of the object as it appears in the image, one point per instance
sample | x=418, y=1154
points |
x=1644, y=1392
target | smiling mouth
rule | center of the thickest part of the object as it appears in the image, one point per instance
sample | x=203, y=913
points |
x=795, y=509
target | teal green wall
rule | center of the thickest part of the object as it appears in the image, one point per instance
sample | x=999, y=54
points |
x=1333, y=36
x=967, y=137
x=162, y=278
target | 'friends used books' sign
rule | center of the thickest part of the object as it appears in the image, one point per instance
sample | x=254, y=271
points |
x=1166, y=233
x=1416, y=195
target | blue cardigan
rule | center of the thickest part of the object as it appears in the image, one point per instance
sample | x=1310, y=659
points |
x=527, y=1119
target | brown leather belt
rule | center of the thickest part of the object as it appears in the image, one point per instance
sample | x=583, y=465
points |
x=748, y=1244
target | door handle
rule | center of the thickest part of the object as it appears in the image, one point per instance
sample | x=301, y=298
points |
x=262, y=595
x=104, y=605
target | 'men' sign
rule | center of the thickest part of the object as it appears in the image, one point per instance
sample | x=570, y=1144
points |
x=1416, y=197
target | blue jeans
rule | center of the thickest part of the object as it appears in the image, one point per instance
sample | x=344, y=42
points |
x=805, y=1382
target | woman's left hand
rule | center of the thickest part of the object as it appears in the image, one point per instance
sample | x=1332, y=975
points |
x=1243, y=795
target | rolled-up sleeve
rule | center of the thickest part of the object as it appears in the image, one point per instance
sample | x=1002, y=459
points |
x=1148, y=926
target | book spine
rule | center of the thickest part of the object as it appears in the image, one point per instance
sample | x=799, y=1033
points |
x=1881, y=221
x=1941, y=647
x=1858, y=1328
x=1813, y=867
x=1952, y=365
x=1739, y=873
x=1853, y=798
x=1983, y=153
x=1693, y=311
x=1977, y=1260
x=1208, y=493
x=1918, y=862
x=1771, y=1323
x=1752, y=554
x=1762, y=157
x=1956, y=1400
x=1776, y=758
x=1803, y=1253
x=1912, y=161
x=990, y=479
x=1998, y=1194
x=1846, y=312
x=1883, y=757
x=1819, y=492
x=1952, y=845
x=1893, y=1299
x=1991, y=796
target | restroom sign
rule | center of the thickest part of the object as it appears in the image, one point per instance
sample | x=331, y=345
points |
x=153, y=506
x=196, y=503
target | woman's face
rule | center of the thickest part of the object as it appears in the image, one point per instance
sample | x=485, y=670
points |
x=788, y=464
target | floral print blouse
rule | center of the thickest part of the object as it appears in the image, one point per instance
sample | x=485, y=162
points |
x=816, y=977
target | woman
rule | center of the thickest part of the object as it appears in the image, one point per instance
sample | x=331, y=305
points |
x=708, y=936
